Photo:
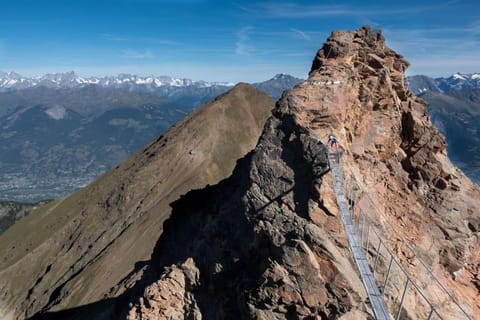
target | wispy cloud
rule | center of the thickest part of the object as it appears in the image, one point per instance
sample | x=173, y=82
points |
x=293, y=10
x=296, y=10
x=437, y=51
x=165, y=1
x=243, y=45
x=150, y=40
x=452, y=40
x=112, y=37
x=159, y=41
x=134, y=54
x=300, y=34
x=242, y=7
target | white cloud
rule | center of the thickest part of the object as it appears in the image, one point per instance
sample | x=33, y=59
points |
x=437, y=51
x=113, y=37
x=243, y=45
x=133, y=54
x=296, y=10
x=150, y=40
x=300, y=34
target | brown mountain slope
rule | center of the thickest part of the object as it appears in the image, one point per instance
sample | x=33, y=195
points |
x=268, y=242
x=73, y=251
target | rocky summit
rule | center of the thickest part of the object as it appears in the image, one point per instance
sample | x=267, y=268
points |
x=268, y=241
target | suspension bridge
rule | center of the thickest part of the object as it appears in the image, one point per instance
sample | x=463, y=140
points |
x=367, y=255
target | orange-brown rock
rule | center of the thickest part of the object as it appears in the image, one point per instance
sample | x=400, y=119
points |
x=169, y=297
x=391, y=146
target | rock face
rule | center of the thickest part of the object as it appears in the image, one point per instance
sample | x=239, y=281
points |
x=73, y=251
x=268, y=242
x=252, y=238
x=170, y=297
x=391, y=146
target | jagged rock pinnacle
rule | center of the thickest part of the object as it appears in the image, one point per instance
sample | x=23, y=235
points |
x=348, y=46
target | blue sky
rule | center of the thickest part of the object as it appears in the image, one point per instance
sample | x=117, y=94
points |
x=226, y=40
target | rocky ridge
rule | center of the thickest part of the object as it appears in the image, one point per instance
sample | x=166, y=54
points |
x=267, y=243
x=400, y=157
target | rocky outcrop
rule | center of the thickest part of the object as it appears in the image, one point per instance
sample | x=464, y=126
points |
x=253, y=239
x=391, y=146
x=170, y=297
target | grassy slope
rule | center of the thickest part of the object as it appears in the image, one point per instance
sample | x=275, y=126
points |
x=11, y=211
x=74, y=250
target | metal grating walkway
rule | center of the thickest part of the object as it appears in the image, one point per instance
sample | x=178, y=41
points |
x=376, y=298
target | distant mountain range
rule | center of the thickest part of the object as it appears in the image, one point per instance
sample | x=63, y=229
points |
x=454, y=107
x=277, y=85
x=456, y=82
x=60, y=131
x=165, y=86
x=13, y=80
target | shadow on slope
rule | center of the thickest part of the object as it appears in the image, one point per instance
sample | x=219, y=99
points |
x=210, y=226
x=217, y=227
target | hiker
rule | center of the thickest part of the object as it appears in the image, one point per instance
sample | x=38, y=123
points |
x=332, y=140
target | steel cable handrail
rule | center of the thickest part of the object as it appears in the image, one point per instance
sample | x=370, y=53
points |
x=409, y=246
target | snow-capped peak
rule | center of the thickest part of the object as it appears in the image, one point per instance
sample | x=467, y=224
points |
x=465, y=76
x=70, y=79
x=458, y=76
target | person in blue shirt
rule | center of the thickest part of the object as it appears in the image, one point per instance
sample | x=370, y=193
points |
x=332, y=141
